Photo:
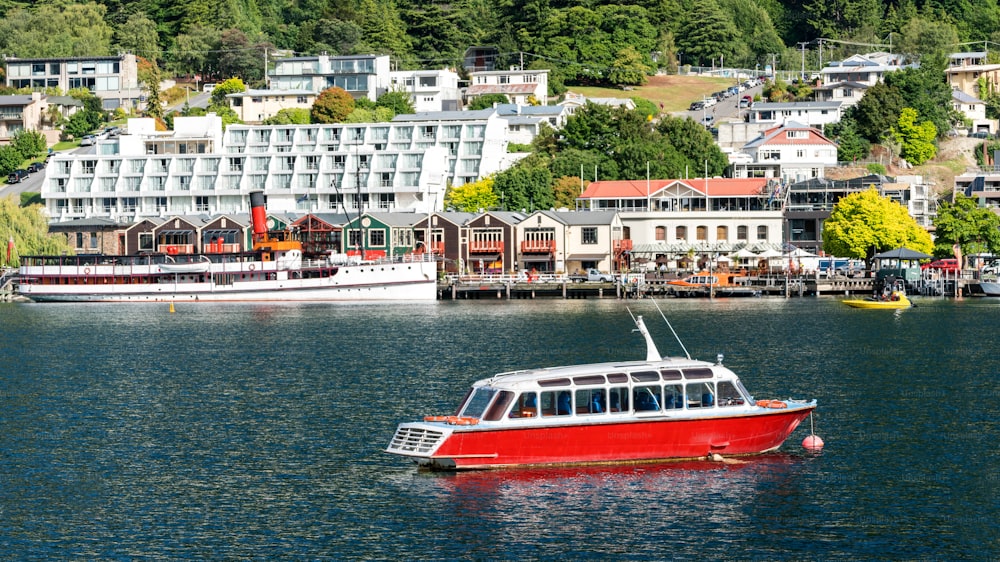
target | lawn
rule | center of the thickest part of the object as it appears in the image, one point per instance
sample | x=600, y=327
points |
x=675, y=93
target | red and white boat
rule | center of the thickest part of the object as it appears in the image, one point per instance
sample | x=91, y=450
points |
x=617, y=412
x=275, y=270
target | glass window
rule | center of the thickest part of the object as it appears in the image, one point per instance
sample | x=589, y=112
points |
x=557, y=403
x=591, y=401
x=496, y=411
x=588, y=235
x=673, y=396
x=729, y=395
x=526, y=406
x=618, y=399
x=476, y=404
x=647, y=398
x=701, y=395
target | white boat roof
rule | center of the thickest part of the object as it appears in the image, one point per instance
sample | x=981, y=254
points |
x=535, y=378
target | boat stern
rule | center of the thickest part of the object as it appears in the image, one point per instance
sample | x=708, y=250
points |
x=418, y=441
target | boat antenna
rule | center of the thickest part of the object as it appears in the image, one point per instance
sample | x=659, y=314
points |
x=652, y=354
x=686, y=354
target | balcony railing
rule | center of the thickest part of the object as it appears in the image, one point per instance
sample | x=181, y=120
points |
x=538, y=246
x=486, y=246
x=623, y=246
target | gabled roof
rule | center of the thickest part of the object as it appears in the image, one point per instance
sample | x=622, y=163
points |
x=775, y=136
x=472, y=115
x=804, y=105
x=512, y=109
x=18, y=100
x=581, y=218
x=458, y=218
x=482, y=89
x=962, y=97
x=843, y=84
x=91, y=222
x=712, y=187
x=397, y=219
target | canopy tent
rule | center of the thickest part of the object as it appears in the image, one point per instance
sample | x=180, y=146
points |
x=744, y=254
x=902, y=254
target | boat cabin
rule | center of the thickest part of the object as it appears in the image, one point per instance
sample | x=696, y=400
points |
x=643, y=388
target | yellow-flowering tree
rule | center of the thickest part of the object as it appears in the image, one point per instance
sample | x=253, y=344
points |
x=472, y=197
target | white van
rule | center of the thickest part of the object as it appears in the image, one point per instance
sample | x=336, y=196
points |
x=207, y=88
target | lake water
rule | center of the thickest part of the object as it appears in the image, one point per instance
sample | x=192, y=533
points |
x=256, y=431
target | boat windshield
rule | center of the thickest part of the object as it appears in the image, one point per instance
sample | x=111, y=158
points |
x=477, y=402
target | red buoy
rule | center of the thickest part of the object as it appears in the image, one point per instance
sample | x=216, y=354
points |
x=813, y=443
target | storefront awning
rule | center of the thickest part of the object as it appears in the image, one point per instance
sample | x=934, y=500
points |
x=588, y=256
x=540, y=259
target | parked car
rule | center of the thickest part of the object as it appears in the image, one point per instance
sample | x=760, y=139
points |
x=17, y=176
x=696, y=106
x=947, y=265
x=36, y=167
x=87, y=140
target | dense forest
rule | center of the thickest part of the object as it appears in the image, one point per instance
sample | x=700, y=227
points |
x=580, y=41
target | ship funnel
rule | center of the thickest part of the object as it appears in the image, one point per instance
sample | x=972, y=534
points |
x=652, y=354
x=258, y=215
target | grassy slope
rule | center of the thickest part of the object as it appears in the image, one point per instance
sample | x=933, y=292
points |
x=675, y=92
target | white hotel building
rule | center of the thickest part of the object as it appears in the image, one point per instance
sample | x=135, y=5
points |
x=404, y=165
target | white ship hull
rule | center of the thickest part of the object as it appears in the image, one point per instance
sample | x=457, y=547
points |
x=235, y=282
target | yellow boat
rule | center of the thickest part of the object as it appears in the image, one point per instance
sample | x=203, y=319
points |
x=896, y=299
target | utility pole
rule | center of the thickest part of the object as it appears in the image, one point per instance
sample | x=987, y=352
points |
x=265, y=69
x=803, y=45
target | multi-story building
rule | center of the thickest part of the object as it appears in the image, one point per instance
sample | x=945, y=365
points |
x=965, y=69
x=792, y=152
x=864, y=69
x=666, y=220
x=112, y=79
x=429, y=90
x=973, y=109
x=404, y=165
x=362, y=76
x=522, y=87
x=525, y=122
x=22, y=112
x=847, y=93
x=254, y=106
x=809, y=113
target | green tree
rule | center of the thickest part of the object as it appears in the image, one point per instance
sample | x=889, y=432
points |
x=628, y=68
x=138, y=35
x=974, y=228
x=224, y=88
x=29, y=228
x=865, y=223
x=841, y=18
x=708, y=33
x=398, y=102
x=877, y=111
x=471, y=197
x=925, y=90
x=56, y=29
x=289, y=116
x=193, y=50
x=10, y=159
x=384, y=29
x=237, y=56
x=332, y=105
x=927, y=36
x=526, y=185
x=486, y=101
x=915, y=139
x=565, y=191
x=695, y=145
x=28, y=143
x=78, y=125
x=850, y=145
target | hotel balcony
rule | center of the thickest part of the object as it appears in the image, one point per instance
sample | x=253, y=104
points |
x=622, y=246
x=486, y=247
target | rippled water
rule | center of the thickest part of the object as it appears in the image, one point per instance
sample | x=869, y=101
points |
x=254, y=431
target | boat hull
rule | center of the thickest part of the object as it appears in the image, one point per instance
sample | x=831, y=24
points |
x=376, y=282
x=862, y=303
x=631, y=439
x=990, y=288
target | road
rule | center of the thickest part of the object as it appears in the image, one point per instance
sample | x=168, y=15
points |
x=726, y=109
x=33, y=183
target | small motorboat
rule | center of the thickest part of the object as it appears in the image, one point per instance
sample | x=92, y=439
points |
x=603, y=413
x=893, y=296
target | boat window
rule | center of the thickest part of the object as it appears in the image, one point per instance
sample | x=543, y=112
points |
x=557, y=403
x=617, y=377
x=591, y=401
x=697, y=373
x=647, y=398
x=477, y=403
x=729, y=395
x=553, y=382
x=670, y=375
x=618, y=399
x=645, y=376
x=526, y=406
x=591, y=379
x=673, y=396
x=496, y=411
x=700, y=395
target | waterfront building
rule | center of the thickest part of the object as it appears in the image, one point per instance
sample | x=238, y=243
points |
x=429, y=90
x=254, y=106
x=809, y=203
x=570, y=241
x=21, y=112
x=404, y=165
x=445, y=237
x=362, y=76
x=983, y=185
x=522, y=87
x=665, y=220
x=113, y=79
x=525, y=122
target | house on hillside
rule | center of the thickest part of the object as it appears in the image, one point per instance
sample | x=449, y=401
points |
x=792, y=152
x=254, y=106
x=522, y=87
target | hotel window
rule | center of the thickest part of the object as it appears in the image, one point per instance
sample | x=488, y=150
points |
x=661, y=233
x=201, y=204
x=129, y=204
x=339, y=162
x=376, y=237
x=385, y=179
x=88, y=166
x=312, y=162
x=235, y=164
x=108, y=204
x=145, y=241
x=741, y=233
x=588, y=235
x=722, y=233
x=761, y=233
x=701, y=233
x=681, y=233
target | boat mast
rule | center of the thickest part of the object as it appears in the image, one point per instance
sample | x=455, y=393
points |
x=358, y=139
